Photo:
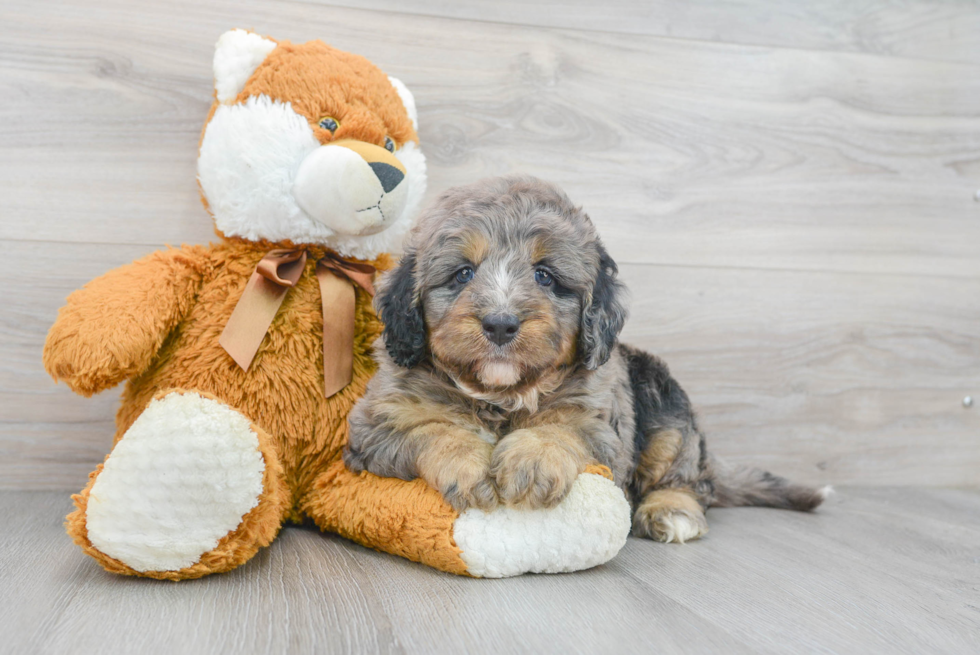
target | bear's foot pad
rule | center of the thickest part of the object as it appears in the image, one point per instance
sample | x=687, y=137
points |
x=586, y=529
x=181, y=478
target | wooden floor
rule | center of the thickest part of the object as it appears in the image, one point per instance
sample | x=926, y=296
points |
x=876, y=571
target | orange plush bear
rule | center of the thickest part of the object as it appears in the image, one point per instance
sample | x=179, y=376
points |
x=244, y=358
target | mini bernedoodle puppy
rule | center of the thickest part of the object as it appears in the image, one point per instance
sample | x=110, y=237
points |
x=501, y=378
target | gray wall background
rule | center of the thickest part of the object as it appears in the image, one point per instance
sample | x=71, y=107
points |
x=787, y=186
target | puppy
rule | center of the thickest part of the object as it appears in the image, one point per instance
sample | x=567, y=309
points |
x=500, y=377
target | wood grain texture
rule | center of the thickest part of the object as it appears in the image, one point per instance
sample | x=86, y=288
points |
x=875, y=571
x=825, y=377
x=944, y=30
x=797, y=226
x=684, y=152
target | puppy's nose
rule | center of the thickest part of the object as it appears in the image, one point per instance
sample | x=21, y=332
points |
x=388, y=175
x=501, y=328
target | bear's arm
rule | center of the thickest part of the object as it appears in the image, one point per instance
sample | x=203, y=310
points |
x=111, y=329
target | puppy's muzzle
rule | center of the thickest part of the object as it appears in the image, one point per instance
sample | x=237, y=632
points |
x=501, y=328
x=352, y=187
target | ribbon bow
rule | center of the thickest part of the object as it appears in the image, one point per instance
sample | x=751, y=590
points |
x=274, y=275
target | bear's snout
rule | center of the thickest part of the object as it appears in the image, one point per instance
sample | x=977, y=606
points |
x=352, y=187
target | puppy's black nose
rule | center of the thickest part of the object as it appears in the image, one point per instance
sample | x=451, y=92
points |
x=501, y=328
x=388, y=175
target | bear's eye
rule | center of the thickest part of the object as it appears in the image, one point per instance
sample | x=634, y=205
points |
x=543, y=277
x=464, y=274
x=389, y=144
x=329, y=123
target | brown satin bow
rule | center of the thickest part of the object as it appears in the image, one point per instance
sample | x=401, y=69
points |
x=274, y=275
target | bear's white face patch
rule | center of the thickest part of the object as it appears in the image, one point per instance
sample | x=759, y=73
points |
x=247, y=168
x=248, y=161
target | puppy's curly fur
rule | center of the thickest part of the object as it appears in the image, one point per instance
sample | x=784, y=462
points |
x=501, y=377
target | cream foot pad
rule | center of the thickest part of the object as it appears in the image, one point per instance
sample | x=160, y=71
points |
x=588, y=528
x=181, y=478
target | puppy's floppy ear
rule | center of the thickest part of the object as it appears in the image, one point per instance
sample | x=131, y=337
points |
x=604, y=316
x=397, y=304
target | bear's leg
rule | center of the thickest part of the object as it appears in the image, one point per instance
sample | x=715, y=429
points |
x=409, y=519
x=412, y=520
x=192, y=488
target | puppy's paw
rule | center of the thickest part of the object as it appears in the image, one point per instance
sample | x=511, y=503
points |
x=471, y=491
x=354, y=460
x=533, y=470
x=462, y=476
x=677, y=527
x=670, y=515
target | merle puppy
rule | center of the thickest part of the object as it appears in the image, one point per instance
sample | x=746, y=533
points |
x=501, y=377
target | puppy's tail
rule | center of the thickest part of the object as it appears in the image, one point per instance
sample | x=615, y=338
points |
x=746, y=486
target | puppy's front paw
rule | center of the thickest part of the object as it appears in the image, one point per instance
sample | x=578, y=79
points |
x=462, y=476
x=354, y=460
x=534, y=470
x=471, y=490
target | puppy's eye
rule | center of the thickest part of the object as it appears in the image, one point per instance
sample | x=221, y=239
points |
x=543, y=277
x=329, y=123
x=389, y=144
x=464, y=274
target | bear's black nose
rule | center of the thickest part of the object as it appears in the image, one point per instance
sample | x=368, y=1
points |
x=501, y=328
x=388, y=175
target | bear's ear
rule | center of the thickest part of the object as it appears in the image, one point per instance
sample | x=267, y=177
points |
x=397, y=303
x=236, y=56
x=407, y=99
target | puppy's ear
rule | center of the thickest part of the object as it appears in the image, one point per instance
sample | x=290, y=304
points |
x=396, y=302
x=604, y=316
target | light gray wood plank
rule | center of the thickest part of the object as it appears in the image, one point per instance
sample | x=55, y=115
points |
x=49, y=437
x=876, y=570
x=826, y=377
x=308, y=593
x=684, y=153
x=892, y=570
x=944, y=30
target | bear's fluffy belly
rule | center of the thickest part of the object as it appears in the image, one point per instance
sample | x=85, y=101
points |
x=282, y=392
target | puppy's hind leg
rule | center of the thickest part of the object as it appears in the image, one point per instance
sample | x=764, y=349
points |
x=668, y=507
x=670, y=515
x=670, y=486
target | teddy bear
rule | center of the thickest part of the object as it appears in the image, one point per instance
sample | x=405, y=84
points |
x=242, y=359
